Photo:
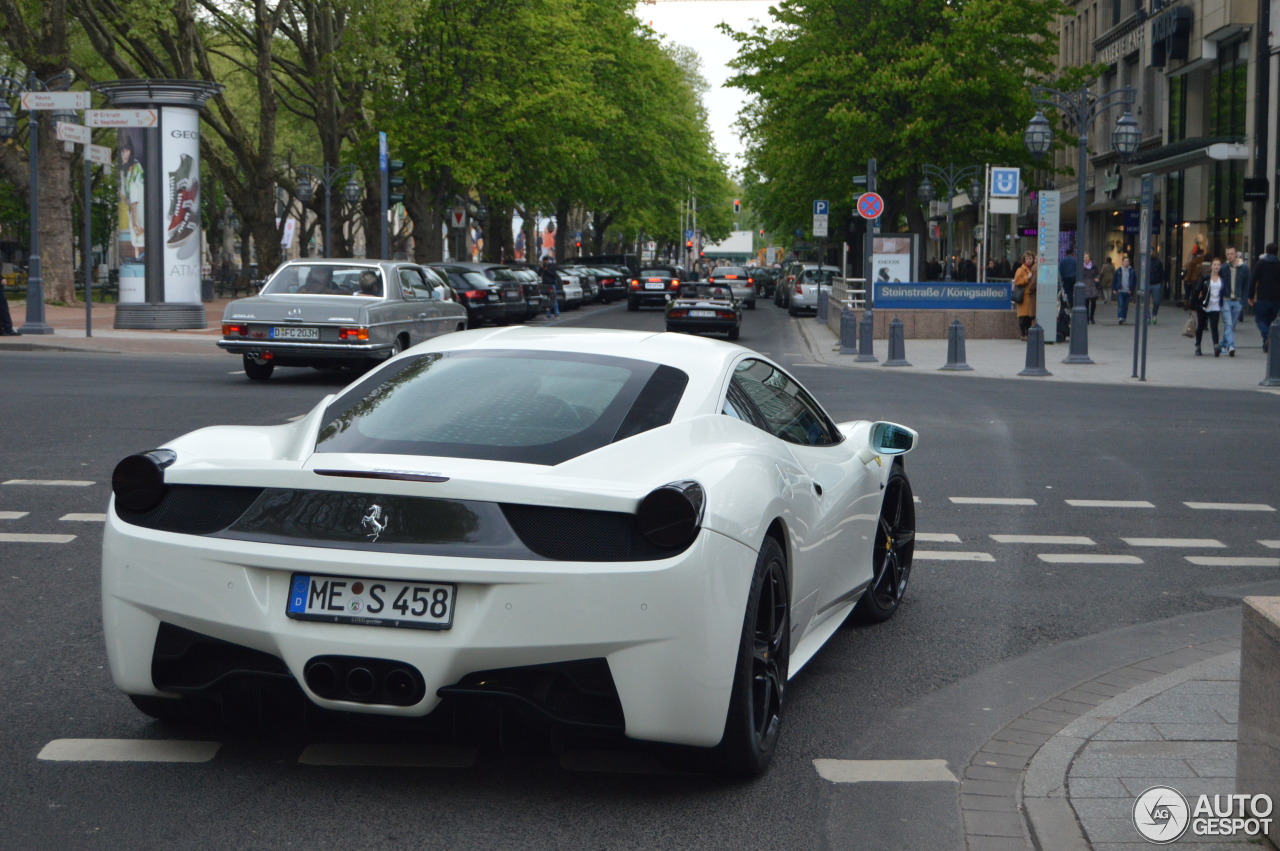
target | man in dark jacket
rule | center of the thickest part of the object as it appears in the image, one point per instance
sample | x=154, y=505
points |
x=550, y=284
x=1264, y=292
x=1155, y=284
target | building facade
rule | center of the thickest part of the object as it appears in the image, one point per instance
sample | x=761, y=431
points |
x=1205, y=72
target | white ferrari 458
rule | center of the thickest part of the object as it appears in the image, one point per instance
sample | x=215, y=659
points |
x=632, y=534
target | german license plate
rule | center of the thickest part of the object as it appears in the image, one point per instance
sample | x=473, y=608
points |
x=289, y=332
x=371, y=602
x=655, y=285
x=702, y=314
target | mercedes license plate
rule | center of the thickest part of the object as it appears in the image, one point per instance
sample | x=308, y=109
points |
x=289, y=332
x=702, y=314
x=371, y=602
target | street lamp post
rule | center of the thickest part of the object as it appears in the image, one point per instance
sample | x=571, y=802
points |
x=10, y=86
x=1081, y=108
x=951, y=178
x=328, y=177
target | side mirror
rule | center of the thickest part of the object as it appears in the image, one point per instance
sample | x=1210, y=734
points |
x=893, y=439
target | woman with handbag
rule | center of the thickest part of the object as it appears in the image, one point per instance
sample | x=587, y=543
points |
x=1207, y=299
x=1024, y=283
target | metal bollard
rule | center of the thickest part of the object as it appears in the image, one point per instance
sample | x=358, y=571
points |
x=955, y=348
x=1273, y=357
x=866, y=338
x=821, y=313
x=1079, y=328
x=848, y=332
x=897, y=346
x=1035, y=352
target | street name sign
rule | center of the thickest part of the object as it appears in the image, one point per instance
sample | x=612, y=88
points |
x=99, y=154
x=56, y=100
x=77, y=133
x=121, y=117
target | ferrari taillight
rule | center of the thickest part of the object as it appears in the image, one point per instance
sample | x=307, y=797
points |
x=358, y=334
x=232, y=329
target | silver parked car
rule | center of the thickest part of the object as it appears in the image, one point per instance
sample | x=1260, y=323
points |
x=804, y=289
x=338, y=313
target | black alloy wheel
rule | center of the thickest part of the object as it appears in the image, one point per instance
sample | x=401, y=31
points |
x=759, y=683
x=258, y=370
x=894, y=546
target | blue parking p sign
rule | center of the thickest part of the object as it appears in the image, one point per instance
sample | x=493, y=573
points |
x=821, y=208
x=1005, y=182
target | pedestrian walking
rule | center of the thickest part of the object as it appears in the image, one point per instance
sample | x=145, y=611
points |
x=1067, y=273
x=1124, y=285
x=1089, y=276
x=1025, y=279
x=1155, y=285
x=1194, y=271
x=1264, y=291
x=6, y=321
x=1106, y=280
x=1207, y=300
x=550, y=284
x=1236, y=276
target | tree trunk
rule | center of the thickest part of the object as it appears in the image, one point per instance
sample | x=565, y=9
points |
x=57, y=261
x=563, y=210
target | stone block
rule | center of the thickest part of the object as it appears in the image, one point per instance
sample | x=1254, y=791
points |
x=1258, y=748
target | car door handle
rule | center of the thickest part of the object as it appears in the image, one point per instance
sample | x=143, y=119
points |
x=817, y=488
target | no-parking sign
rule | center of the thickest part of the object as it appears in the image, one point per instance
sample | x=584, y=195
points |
x=870, y=205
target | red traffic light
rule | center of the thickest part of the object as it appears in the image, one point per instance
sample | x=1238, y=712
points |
x=737, y=205
x=688, y=243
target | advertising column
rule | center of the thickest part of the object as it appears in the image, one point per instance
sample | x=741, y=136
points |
x=180, y=162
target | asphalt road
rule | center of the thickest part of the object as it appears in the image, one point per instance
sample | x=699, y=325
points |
x=979, y=611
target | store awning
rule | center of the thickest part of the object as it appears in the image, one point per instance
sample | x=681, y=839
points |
x=1189, y=153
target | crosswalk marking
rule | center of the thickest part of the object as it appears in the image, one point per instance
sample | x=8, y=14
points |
x=1174, y=542
x=1044, y=539
x=415, y=756
x=68, y=483
x=128, y=750
x=1087, y=558
x=941, y=555
x=938, y=537
x=884, y=771
x=87, y=518
x=13, y=515
x=1271, y=545
x=17, y=538
x=991, y=500
x=1229, y=506
x=1109, y=503
x=1233, y=561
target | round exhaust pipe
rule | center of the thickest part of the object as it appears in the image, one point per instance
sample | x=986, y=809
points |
x=321, y=677
x=360, y=683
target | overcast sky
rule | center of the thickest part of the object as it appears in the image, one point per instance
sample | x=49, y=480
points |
x=693, y=23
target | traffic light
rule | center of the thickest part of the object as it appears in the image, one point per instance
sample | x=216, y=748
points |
x=737, y=205
x=688, y=244
x=578, y=244
x=762, y=231
x=394, y=182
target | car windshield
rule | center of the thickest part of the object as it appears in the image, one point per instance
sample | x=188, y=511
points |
x=325, y=279
x=529, y=407
x=813, y=276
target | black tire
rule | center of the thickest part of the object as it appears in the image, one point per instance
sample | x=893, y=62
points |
x=891, y=557
x=258, y=371
x=792, y=311
x=751, y=305
x=760, y=678
x=633, y=305
x=733, y=335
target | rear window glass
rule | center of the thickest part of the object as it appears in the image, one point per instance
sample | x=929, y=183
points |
x=529, y=407
x=655, y=273
x=728, y=270
x=322, y=279
x=812, y=276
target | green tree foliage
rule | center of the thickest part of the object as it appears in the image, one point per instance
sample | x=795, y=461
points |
x=837, y=82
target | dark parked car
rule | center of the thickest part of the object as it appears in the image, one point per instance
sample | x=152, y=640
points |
x=487, y=296
x=764, y=279
x=531, y=282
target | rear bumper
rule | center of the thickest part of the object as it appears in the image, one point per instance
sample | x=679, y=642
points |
x=702, y=326
x=284, y=352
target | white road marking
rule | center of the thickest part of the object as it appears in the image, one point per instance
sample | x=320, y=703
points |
x=1087, y=558
x=13, y=515
x=1174, y=542
x=128, y=750
x=884, y=771
x=88, y=518
x=1271, y=545
x=1109, y=503
x=1044, y=539
x=1233, y=561
x=1229, y=506
x=68, y=483
x=941, y=555
x=990, y=500
x=938, y=537
x=16, y=538
x=415, y=756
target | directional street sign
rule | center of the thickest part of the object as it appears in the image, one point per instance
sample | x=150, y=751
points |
x=870, y=205
x=56, y=100
x=77, y=133
x=821, y=216
x=121, y=117
x=100, y=154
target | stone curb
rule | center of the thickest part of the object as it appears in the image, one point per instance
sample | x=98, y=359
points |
x=1013, y=791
